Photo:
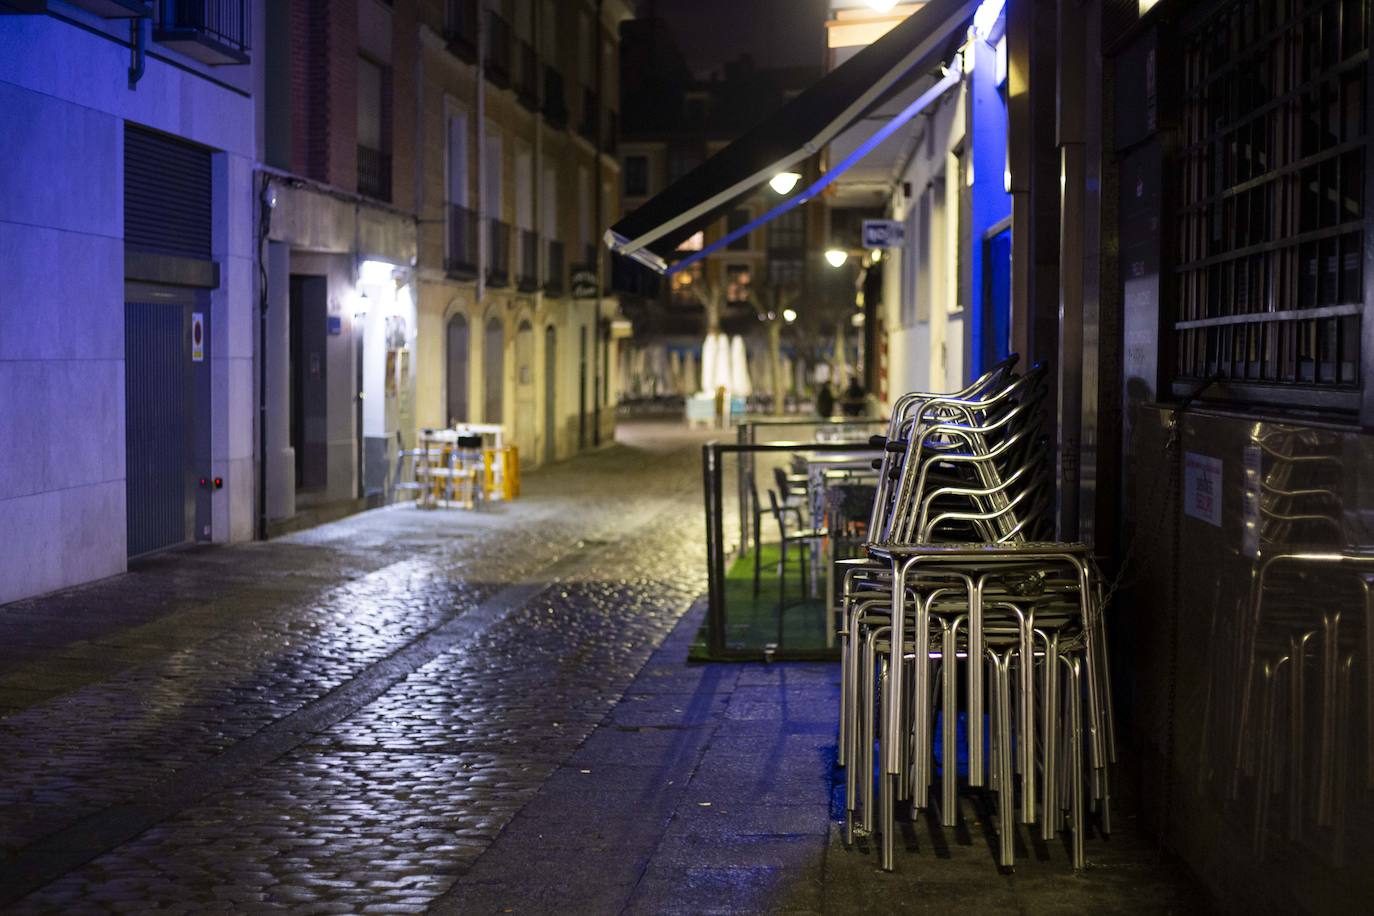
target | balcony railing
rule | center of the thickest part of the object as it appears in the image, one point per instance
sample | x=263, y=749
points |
x=587, y=127
x=460, y=28
x=374, y=173
x=498, y=254
x=527, y=76
x=213, y=32
x=498, y=49
x=555, y=101
x=527, y=277
x=555, y=271
x=462, y=242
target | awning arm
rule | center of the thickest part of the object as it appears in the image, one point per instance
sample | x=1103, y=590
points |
x=952, y=76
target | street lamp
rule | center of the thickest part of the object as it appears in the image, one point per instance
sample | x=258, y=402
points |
x=789, y=316
x=836, y=256
x=784, y=182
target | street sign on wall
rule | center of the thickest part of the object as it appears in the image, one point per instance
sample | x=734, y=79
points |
x=883, y=233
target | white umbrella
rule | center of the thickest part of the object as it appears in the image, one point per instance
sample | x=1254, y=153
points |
x=708, y=364
x=739, y=369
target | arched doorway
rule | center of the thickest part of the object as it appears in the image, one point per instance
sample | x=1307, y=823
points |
x=457, y=370
x=493, y=370
x=550, y=390
x=524, y=389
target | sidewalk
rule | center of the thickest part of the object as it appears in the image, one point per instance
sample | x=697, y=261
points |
x=713, y=789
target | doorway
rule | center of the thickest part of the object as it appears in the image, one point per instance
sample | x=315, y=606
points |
x=997, y=295
x=309, y=330
x=167, y=424
x=550, y=392
x=457, y=381
x=524, y=389
x=493, y=370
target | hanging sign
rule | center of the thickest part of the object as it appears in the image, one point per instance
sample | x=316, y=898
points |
x=583, y=283
x=1202, y=488
x=883, y=233
x=197, y=337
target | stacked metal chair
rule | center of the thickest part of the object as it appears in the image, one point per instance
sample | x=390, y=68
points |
x=956, y=579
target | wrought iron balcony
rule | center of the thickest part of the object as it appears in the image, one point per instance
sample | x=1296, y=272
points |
x=462, y=243
x=498, y=49
x=527, y=76
x=213, y=32
x=555, y=101
x=498, y=253
x=374, y=173
x=527, y=277
x=460, y=29
x=555, y=270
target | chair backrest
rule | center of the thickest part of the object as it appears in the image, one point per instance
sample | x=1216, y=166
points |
x=991, y=435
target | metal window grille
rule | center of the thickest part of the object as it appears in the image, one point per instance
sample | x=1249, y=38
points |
x=1268, y=284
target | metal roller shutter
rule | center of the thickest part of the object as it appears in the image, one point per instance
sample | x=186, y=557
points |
x=166, y=195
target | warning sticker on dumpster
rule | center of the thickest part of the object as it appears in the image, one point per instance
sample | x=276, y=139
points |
x=1202, y=488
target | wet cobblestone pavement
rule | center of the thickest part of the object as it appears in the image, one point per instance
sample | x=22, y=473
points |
x=463, y=713
x=340, y=721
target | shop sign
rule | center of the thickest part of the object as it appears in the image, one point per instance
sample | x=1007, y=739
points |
x=583, y=284
x=883, y=233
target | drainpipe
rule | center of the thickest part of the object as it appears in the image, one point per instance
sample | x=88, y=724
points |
x=596, y=235
x=265, y=205
x=138, y=54
x=1072, y=166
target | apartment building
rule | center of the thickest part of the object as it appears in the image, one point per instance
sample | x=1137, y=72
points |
x=127, y=315
x=337, y=200
x=516, y=174
x=673, y=122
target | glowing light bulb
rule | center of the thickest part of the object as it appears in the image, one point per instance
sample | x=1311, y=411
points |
x=836, y=256
x=789, y=316
x=784, y=182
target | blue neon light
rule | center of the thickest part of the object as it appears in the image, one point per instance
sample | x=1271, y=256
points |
x=906, y=114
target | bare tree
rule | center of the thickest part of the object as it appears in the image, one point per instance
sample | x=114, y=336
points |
x=770, y=302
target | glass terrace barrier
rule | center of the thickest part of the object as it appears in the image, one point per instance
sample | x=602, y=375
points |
x=799, y=505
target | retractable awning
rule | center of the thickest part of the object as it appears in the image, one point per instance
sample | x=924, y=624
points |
x=915, y=48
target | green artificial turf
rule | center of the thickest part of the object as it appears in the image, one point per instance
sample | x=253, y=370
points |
x=751, y=623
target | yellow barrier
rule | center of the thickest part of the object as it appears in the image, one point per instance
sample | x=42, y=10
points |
x=506, y=484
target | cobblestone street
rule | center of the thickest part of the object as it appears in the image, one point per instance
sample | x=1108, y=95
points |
x=457, y=712
x=343, y=719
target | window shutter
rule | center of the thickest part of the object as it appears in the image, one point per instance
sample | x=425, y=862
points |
x=166, y=195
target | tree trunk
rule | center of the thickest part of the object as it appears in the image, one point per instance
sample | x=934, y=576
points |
x=775, y=361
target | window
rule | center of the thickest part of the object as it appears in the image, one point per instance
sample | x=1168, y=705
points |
x=374, y=160
x=1268, y=284
x=737, y=279
x=738, y=218
x=786, y=272
x=493, y=201
x=788, y=231
x=458, y=159
x=636, y=176
x=686, y=285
